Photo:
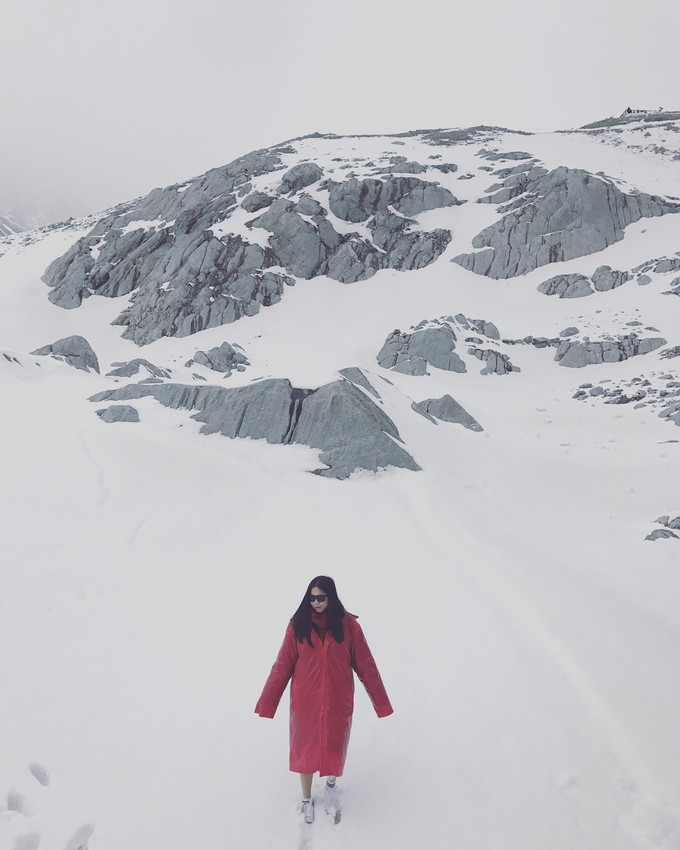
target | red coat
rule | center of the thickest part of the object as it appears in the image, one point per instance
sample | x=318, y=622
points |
x=322, y=695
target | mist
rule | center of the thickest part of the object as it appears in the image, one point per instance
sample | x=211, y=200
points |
x=103, y=102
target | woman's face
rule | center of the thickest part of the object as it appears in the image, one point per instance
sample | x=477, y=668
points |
x=319, y=600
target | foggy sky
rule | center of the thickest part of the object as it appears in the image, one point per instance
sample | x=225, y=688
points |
x=101, y=102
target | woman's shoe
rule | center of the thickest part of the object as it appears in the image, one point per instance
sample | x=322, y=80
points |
x=331, y=802
x=308, y=810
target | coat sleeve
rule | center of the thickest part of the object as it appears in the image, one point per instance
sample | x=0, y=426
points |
x=367, y=671
x=279, y=676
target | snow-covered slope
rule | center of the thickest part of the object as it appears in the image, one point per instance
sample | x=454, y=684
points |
x=492, y=458
x=8, y=226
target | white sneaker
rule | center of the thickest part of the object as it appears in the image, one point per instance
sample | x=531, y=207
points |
x=308, y=810
x=331, y=802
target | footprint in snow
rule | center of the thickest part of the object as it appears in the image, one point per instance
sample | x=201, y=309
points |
x=16, y=802
x=80, y=839
x=40, y=772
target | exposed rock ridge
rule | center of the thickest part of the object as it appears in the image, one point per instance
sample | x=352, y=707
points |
x=433, y=343
x=576, y=354
x=446, y=409
x=173, y=254
x=603, y=279
x=74, y=350
x=554, y=217
x=338, y=418
x=223, y=358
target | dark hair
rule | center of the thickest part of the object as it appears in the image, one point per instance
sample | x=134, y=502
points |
x=302, y=618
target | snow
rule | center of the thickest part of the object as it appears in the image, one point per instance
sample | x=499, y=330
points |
x=527, y=634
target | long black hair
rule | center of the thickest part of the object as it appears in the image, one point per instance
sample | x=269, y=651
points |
x=302, y=618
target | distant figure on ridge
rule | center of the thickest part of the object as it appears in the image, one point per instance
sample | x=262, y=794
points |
x=323, y=644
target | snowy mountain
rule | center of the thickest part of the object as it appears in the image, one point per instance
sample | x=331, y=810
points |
x=471, y=338
x=8, y=226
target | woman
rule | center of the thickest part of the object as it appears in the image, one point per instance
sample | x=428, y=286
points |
x=322, y=645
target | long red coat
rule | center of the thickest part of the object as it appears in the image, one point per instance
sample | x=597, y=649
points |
x=322, y=695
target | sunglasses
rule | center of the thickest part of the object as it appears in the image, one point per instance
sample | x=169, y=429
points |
x=318, y=597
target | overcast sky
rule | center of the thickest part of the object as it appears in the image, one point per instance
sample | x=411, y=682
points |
x=102, y=101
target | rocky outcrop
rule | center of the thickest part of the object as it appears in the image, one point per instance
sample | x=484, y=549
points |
x=224, y=358
x=256, y=201
x=433, y=343
x=446, y=409
x=494, y=156
x=660, y=534
x=671, y=412
x=357, y=376
x=411, y=353
x=339, y=419
x=554, y=217
x=400, y=165
x=185, y=269
x=132, y=367
x=311, y=248
x=357, y=200
x=299, y=177
x=479, y=326
x=495, y=362
x=162, y=249
x=605, y=278
x=665, y=532
x=576, y=354
x=74, y=350
x=566, y=286
x=118, y=413
x=406, y=250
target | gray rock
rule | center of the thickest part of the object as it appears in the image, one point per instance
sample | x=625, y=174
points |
x=412, y=353
x=256, y=201
x=132, y=367
x=182, y=277
x=671, y=264
x=570, y=331
x=496, y=155
x=577, y=354
x=643, y=279
x=302, y=247
x=446, y=167
x=223, y=358
x=660, y=534
x=663, y=520
x=74, y=350
x=605, y=278
x=447, y=409
x=300, y=176
x=405, y=250
x=558, y=216
x=595, y=391
x=669, y=353
x=671, y=412
x=118, y=413
x=566, y=286
x=481, y=326
x=357, y=200
x=356, y=376
x=355, y=260
x=495, y=362
x=338, y=418
x=400, y=165
x=309, y=206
